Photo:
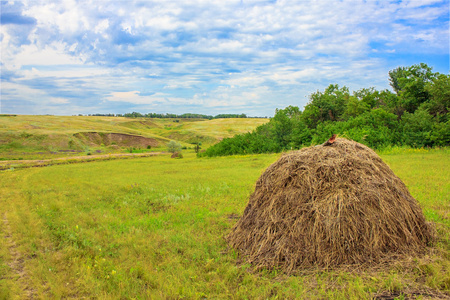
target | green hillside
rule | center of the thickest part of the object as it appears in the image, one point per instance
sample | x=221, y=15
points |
x=28, y=137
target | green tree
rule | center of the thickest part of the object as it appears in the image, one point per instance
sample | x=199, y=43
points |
x=329, y=105
x=439, y=90
x=395, y=76
x=282, y=124
x=355, y=107
x=368, y=96
x=409, y=84
x=390, y=102
x=440, y=136
x=417, y=128
x=173, y=147
x=311, y=115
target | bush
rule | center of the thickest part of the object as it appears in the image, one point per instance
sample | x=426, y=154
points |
x=417, y=128
x=440, y=135
x=173, y=147
x=177, y=155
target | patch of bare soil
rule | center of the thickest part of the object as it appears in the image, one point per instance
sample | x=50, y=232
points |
x=7, y=164
x=120, y=139
x=412, y=294
x=17, y=262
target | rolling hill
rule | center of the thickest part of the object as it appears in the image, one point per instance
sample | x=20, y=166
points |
x=29, y=136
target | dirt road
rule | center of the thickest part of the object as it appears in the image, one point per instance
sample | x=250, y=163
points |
x=8, y=164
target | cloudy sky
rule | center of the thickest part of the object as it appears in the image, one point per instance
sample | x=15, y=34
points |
x=69, y=57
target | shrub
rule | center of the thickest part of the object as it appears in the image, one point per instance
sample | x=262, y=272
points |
x=173, y=147
x=417, y=128
x=177, y=155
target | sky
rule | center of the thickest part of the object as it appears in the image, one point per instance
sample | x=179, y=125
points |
x=69, y=57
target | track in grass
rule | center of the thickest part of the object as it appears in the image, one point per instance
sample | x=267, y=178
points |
x=16, y=262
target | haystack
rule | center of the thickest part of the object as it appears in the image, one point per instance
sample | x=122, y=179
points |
x=327, y=206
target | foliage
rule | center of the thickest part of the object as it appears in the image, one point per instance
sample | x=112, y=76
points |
x=439, y=91
x=327, y=106
x=416, y=115
x=375, y=128
x=440, y=134
x=417, y=128
x=173, y=147
x=410, y=84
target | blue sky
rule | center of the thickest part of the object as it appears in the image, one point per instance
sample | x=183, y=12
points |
x=69, y=57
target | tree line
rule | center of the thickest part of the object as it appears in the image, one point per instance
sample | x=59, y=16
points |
x=171, y=116
x=415, y=114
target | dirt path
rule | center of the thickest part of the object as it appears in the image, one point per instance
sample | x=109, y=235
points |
x=7, y=164
x=17, y=261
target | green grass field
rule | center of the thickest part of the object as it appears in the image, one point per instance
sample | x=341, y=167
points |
x=153, y=228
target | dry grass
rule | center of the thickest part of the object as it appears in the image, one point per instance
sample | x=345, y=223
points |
x=329, y=206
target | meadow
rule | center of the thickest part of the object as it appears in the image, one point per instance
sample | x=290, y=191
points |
x=154, y=227
x=25, y=137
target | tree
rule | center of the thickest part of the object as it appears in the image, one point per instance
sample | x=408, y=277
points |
x=329, y=105
x=417, y=128
x=390, y=102
x=197, y=145
x=173, y=147
x=409, y=84
x=282, y=124
x=355, y=107
x=394, y=76
x=439, y=90
x=311, y=116
x=368, y=96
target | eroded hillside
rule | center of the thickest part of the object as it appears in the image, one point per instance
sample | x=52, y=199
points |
x=41, y=136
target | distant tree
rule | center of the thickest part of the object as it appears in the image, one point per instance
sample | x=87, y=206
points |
x=197, y=145
x=173, y=147
x=133, y=115
x=225, y=116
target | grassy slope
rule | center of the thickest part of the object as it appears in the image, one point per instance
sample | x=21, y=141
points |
x=22, y=136
x=154, y=227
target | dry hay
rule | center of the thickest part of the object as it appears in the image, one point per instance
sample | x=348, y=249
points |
x=329, y=206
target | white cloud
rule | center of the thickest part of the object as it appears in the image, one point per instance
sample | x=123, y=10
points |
x=214, y=53
x=51, y=55
x=135, y=97
x=58, y=101
x=131, y=96
x=101, y=26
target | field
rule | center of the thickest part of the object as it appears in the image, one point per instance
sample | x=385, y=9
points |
x=41, y=137
x=154, y=227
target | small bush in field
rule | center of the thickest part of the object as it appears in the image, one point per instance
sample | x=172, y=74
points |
x=173, y=147
x=177, y=155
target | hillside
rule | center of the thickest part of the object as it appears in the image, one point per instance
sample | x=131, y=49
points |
x=25, y=136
